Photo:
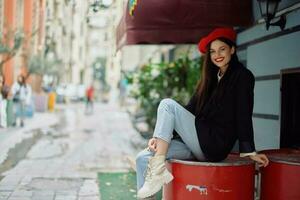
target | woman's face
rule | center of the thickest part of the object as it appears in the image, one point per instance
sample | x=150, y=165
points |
x=220, y=53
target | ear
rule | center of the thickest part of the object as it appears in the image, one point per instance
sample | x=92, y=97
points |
x=232, y=50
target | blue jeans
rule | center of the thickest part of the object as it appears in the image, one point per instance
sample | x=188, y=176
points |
x=172, y=116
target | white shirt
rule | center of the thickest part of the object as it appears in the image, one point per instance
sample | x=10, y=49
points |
x=25, y=92
x=219, y=76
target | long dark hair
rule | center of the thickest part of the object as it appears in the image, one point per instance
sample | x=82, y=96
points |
x=208, y=80
x=4, y=89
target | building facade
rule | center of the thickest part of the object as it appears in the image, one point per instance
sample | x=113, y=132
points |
x=27, y=17
x=67, y=37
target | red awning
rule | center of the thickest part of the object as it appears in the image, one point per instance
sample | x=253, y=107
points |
x=180, y=21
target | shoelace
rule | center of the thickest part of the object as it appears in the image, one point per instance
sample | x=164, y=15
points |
x=148, y=174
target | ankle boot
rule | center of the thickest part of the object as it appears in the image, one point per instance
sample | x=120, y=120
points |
x=148, y=198
x=156, y=176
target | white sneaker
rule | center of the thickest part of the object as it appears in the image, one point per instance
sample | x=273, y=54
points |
x=157, y=175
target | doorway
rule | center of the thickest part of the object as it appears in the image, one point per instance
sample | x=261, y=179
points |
x=290, y=108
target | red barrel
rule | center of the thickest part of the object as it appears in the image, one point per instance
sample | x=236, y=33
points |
x=280, y=180
x=232, y=179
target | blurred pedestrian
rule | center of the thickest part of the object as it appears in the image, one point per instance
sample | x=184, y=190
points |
x=4, y=91
x=3, y=106
x=21, y=92
x=89, y=107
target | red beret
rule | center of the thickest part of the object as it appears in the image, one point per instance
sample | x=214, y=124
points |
x=227, y=33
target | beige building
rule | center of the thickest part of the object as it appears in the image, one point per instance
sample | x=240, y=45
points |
x=67, y=34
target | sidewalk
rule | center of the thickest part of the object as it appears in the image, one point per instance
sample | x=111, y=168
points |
x=63, y=164
x=10, y=137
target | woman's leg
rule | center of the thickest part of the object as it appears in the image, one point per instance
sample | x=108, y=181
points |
x=22, y=117
x=16, y=111
x=170, y=116
x=177, y=150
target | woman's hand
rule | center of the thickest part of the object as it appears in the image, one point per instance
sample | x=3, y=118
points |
x=261, y=159
x=152, y=144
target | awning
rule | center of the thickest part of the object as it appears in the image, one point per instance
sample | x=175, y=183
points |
x=180, y=21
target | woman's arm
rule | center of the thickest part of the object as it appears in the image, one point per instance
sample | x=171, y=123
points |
x=15, y=87
x=261, y=159
x=28, y=94
x=244, y=110
x=245, y=100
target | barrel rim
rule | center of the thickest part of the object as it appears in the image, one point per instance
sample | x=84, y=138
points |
x=274, y=153
x=211, y=164
x=284, y=162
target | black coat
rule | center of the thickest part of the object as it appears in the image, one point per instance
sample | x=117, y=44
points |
x=226, y=116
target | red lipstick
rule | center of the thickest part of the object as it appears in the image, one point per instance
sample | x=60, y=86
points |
x=220, y=59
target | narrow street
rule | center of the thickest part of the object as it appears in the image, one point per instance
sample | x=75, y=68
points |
x=60, y=161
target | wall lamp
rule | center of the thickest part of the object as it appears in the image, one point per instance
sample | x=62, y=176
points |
x=268, y=9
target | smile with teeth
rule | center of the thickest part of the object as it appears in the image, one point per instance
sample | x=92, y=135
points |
x=219, y=59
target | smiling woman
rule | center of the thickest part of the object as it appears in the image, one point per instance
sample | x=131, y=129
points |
x=218, y=114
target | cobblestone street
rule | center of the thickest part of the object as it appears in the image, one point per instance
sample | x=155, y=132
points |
x=59, y=159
